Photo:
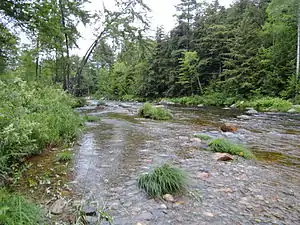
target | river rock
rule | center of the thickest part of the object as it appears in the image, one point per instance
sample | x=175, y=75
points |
x=227, y=127
x=208, y=214
x=244, y=117
x=124, y=105
x=145, y=216
x=200, y=105
x=223, y=156
x=233, y=106
x=159, y=106
x=168, y=198
x=251, y=111
x=58, y=206
x=203, y=175
x=292, y=110
x=90, y=211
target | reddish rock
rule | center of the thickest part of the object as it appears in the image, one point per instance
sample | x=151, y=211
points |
x=223, y=156
x=227, y=127
x=203, y=175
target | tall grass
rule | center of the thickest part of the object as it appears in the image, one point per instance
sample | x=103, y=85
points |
x=163, y=180
x=152, y=112
x=226, y=146
x=15, y=210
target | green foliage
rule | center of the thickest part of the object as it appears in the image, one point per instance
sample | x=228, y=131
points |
x=267, y=104
x=15, y=210
x=64, y=156
x=211, y=99
x=203, y=137
x=79, y=102
x=225, y=146
x=33, y=116
x=163, y=180
x=152, y=112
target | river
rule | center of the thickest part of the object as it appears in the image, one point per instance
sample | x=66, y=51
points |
x=113, y=152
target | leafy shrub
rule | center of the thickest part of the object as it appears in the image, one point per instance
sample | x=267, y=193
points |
x=32, y=117
x=65, y=156
x=15, y=210
x=163, y=180
x=152, y=112
x=223, y=145
x=203, y=137
x=267, y=104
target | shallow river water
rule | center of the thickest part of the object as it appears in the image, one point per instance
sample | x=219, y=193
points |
x=113, y=152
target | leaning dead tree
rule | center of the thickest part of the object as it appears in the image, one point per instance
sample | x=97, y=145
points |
x=126, y=21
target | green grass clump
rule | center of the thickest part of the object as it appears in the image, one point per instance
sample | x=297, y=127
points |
x=267, y=104
x=15, y=210
x=90, y=118
x=163, y=180
x=203, y=137
x=152, y=112
x=225, y=146
x=64, y=156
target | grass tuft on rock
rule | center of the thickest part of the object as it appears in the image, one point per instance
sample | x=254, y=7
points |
x=152, y=112
x=14, y=209
x=226, y=146
x=163, y=180
x=64, y=156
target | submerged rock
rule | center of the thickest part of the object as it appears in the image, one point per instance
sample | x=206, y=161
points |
x=58, y=206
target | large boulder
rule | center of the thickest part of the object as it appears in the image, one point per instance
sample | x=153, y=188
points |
x=227, y=127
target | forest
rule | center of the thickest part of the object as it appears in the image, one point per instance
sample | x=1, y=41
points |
x=245, y=51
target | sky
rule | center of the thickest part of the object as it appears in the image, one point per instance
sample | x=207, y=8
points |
x=162, y=14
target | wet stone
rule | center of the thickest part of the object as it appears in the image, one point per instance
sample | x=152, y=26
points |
x=144, y=216
x=58, y=206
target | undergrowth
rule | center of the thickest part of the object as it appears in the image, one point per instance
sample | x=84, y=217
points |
x=267, y=104
x=152, y=112
x=32, y=117
x=15, y=210
x=64, y=156
x=226, y=146
x=163, y=180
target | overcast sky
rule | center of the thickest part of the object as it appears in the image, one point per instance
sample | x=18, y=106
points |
x=162, y=14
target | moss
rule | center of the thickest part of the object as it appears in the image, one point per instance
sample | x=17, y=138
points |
x=225, y=146
x=152, y=112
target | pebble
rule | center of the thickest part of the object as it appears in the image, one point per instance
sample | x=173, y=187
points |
x=168, y=198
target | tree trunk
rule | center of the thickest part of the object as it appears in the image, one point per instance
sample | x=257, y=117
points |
x=37, y=59
x=298, y=47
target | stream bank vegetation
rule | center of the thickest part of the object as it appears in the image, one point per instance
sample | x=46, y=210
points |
x=225, y=146
x=152, y=112
x=163, y=180
x=15, y=210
